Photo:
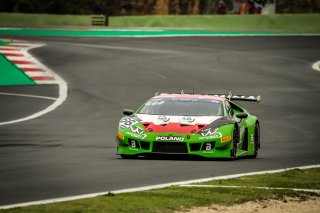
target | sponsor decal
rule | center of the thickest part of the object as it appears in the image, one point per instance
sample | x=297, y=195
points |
x=143, y=136
x=188, y=119
x=252, y=138
x=133, y=143
x=169, y=138
x=226, y=139
x=214, y=136
x=154, y=103
x=208, y=152
x=237, y=96
x=208, y=146
x=163, y=118
x=128, y=121
x=137, y=130
x=207, y=132
x=121, y=136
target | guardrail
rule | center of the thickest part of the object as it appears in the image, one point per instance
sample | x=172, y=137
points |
x=98, y=20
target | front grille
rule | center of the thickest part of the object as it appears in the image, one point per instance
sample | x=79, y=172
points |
x=170, y=147
x=145, y=145
x=195, y=147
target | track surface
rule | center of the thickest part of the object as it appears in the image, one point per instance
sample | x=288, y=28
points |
x=71, y=150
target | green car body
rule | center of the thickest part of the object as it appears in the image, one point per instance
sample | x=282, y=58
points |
x=232, y=133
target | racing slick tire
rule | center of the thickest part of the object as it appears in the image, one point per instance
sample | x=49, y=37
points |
x=256, y=140
x=236, y=139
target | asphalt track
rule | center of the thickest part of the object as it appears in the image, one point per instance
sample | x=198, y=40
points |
x=71, y=150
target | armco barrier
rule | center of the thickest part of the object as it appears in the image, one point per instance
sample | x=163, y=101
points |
x=98, y=20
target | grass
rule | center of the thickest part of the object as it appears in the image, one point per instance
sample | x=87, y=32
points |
x=279, y=22
x=296, y=178
x=298, y=23
x=9, y=73
x=181, y=198
x=162, y=200
x=5, y=41
x=43, y=20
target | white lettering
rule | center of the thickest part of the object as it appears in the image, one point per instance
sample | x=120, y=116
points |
x=169, y=138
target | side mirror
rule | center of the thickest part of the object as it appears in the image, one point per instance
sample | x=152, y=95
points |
x=242, y=115
x=127, y=112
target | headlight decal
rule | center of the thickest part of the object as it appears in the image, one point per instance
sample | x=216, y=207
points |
x=208, y=131
x=137, y=130
x=128, y=122
x=216, y=135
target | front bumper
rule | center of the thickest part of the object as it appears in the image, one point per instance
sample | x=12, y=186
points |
x=208, y=149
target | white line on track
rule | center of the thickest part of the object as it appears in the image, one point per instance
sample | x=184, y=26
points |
x=316, y=66
x=63, y=89
x=28, y=96
x=158, y=186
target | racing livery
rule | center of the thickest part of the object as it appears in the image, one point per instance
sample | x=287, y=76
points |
x=211, y=126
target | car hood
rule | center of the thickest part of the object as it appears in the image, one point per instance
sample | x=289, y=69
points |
x=177, y=124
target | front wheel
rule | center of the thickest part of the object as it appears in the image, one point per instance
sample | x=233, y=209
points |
x=256, y=140
x=236, y=139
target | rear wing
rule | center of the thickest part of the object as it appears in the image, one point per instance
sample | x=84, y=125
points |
x=229, y=96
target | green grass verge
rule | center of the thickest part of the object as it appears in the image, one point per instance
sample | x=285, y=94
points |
x=9, y=73
x=306, y=23
x=42, y=20
x=180, y=198
x=296, y=178
x=282, y=23
x=5, y=41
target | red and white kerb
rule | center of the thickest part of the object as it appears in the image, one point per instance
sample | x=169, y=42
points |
x=17, y=53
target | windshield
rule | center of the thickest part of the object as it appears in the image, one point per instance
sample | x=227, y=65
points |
x=182, y=107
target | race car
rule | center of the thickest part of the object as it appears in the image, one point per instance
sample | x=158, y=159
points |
x=207, y=125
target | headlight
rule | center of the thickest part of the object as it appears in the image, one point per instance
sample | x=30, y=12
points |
x=207, y=131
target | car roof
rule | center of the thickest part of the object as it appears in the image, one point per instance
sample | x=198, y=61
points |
x=189, y=96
